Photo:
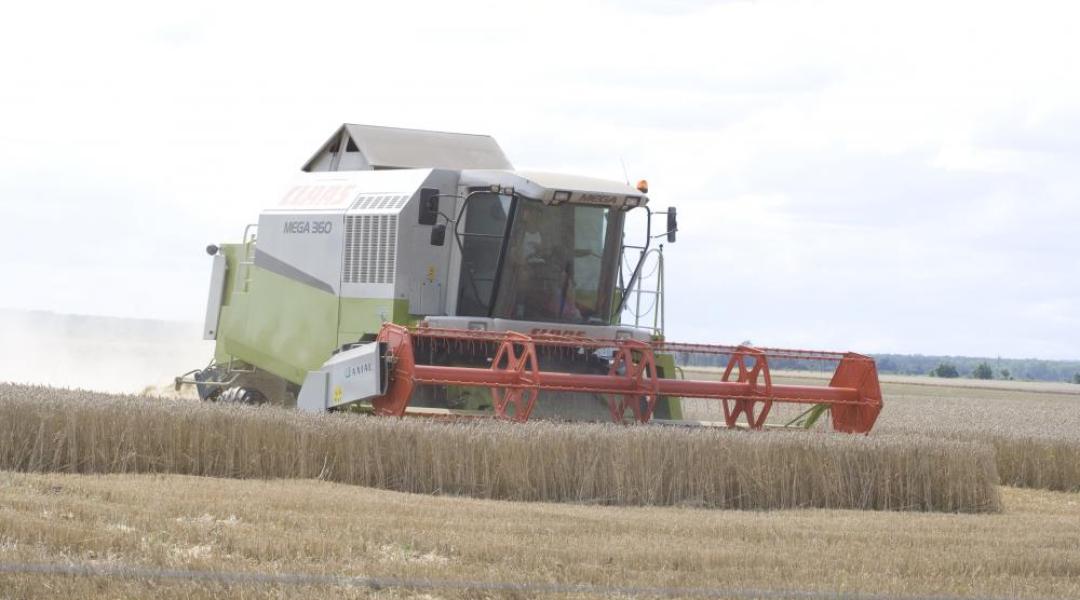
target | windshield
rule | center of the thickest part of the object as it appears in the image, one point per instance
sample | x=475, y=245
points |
x=560, y=264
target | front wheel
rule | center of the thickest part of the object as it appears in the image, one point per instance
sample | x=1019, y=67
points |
x=242, y=395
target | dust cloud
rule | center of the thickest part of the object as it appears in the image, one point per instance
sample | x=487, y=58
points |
x=98, y=353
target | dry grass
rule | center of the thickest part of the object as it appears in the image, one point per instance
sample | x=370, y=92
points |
x=45, y=429
x=1034, y=427
x=304, y=526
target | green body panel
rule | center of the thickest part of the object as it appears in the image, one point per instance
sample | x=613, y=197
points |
x=665, y=363
x=290, y=328
x=232, y=254
x=361, y=316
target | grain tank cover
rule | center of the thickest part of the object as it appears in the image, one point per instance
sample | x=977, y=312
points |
x=367, y=147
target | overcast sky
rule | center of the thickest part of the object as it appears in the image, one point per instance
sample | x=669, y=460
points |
x=881, y=177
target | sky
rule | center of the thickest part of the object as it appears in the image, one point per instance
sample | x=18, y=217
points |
x=868, y=176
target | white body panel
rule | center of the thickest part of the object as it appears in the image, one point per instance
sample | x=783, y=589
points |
x=213, y=302
x=349, y=376
x=355, y=234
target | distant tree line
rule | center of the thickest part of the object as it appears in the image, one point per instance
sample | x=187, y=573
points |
x=1028, y=369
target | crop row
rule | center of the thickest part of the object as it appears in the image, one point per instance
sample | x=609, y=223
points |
x=47, y=429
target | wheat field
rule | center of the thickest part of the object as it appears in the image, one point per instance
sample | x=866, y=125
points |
x=1033, y=427
x=50, y=430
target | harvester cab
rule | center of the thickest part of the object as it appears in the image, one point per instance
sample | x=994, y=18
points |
x=416, y=271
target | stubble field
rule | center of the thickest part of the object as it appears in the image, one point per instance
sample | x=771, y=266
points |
x=313, y=527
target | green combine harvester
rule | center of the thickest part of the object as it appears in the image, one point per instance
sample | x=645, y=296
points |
x=409, y=271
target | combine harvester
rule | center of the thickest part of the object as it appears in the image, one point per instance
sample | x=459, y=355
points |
x=416, y=272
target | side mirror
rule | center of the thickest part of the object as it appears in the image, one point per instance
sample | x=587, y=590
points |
x=438, y=235
x=672, y=225
x=429, y=206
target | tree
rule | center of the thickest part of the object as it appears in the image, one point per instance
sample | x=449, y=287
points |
x=1076, y=378
x=1006, y=374
x=945, y=370
x=983, y=371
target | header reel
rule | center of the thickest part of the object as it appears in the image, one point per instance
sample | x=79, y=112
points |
x=632, y=385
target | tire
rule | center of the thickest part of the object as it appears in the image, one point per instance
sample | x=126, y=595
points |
x=242, y=395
